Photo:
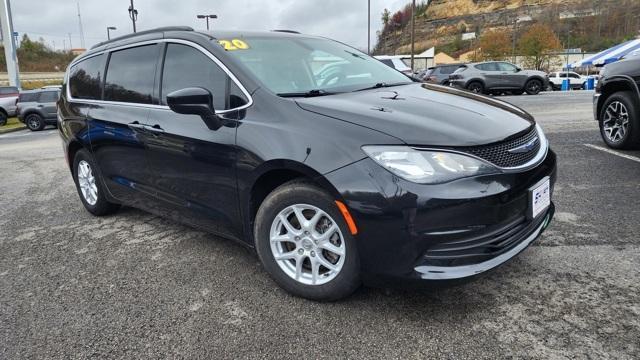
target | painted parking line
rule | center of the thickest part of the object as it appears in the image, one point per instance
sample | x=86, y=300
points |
x=613, y=152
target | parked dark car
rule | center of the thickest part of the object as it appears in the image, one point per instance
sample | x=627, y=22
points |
x=497, y=77
x=374, y=178
x=8, y=97
x=438, y=74
x=37, y=108
x=616, y=103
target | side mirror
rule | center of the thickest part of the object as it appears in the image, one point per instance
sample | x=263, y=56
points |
x=195, y=101
x=518, y=69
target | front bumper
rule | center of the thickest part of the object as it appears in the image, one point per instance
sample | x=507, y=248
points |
x=411, y=233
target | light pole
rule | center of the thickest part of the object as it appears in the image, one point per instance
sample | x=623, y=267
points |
x=133, y=15
x=369, y=27
x=108, y=29
x=413, y=31
x=207, y=17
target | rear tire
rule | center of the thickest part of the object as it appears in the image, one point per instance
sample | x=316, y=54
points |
x=34, y=122
x=3, y=118
x=89, y=185
x=533, y=87
x=620, y=121
x=279, y=232
x=476, y=87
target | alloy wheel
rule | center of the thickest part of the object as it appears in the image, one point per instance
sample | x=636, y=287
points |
x=616, y=121
x=33, y=122
x=87, y=183
x=534, y=86
x=307, y=244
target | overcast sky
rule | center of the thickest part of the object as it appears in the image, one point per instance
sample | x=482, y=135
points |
x=53, y=20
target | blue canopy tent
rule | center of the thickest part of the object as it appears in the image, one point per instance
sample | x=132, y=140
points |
x=610, y=55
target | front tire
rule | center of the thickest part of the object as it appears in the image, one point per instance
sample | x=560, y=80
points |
x=89, y=185
x=476, y=87
x=304, y=243
x=34, y=122
x=620, y=121
x=533, y=87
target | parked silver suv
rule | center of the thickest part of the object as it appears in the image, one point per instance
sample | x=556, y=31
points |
x=498, y=76
x=37, y=108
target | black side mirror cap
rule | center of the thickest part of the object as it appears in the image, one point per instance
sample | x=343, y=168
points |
x=195, y=101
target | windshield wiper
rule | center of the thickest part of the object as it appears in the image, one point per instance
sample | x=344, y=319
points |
x=310, y=93
x=382, y=85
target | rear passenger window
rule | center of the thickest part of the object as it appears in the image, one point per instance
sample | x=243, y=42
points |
x=8, y=90
x=185, y=66
x=85, y=79
x=28, y=97
x=131, y=74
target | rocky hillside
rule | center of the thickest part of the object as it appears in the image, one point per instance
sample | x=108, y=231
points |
x=589, y=24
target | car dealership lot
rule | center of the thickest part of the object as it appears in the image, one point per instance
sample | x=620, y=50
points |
x=134, y=285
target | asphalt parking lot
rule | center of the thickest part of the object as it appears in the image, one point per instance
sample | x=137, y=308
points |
x=134, y=285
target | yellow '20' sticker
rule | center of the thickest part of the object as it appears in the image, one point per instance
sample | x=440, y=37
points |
x=234, y=44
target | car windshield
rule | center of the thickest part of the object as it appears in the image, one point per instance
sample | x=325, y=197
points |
x=310, y=66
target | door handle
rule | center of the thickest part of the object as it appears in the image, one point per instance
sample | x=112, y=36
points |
x=136, y=125
x=40, y=106
x=155, y=128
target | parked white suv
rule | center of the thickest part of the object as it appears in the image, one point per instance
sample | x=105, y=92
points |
x=576, y=81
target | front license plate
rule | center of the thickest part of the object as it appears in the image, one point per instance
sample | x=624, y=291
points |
x=540, y=197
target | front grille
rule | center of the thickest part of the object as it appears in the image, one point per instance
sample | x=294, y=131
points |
x=476, y=249
x=499, y=155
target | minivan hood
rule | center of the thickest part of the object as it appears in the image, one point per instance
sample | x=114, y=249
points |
x=425, y=114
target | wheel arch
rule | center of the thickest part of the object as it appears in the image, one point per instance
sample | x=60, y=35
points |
x=478, y=80
x=270, y=175
x=4, y=111
x=613, y=86
x=72, y=149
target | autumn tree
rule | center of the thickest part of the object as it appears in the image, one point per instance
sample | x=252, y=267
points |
x=495, y=45
x=537, y=46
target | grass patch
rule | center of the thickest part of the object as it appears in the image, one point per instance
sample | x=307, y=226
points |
x=12, y=123
x=37, y=84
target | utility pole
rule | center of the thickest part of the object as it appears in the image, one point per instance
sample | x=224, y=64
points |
x=207, y=17
x=70, y=45
x=9, y=41
x=133, y=15
x=369, y=27
x=413, y=32
x=515, y=34
x=80, y=26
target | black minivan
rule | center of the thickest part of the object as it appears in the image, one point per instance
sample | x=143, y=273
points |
x=335, y=168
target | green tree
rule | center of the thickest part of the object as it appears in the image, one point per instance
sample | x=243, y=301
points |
x=386, y=16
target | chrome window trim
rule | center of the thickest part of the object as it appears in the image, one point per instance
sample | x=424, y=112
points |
x=154, y=106
x=540, y=156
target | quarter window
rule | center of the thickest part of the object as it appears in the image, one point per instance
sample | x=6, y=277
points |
x=185, y=66
x=85, y=79
x=131, y=74
x=48, y=96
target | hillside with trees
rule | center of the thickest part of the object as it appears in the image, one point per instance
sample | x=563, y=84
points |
x=36, y=56
x=590, y=25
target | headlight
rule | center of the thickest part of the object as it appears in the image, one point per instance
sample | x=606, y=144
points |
x=427, y=167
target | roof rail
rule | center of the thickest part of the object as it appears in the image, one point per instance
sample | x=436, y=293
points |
x=287, y=31
x=150, y=31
